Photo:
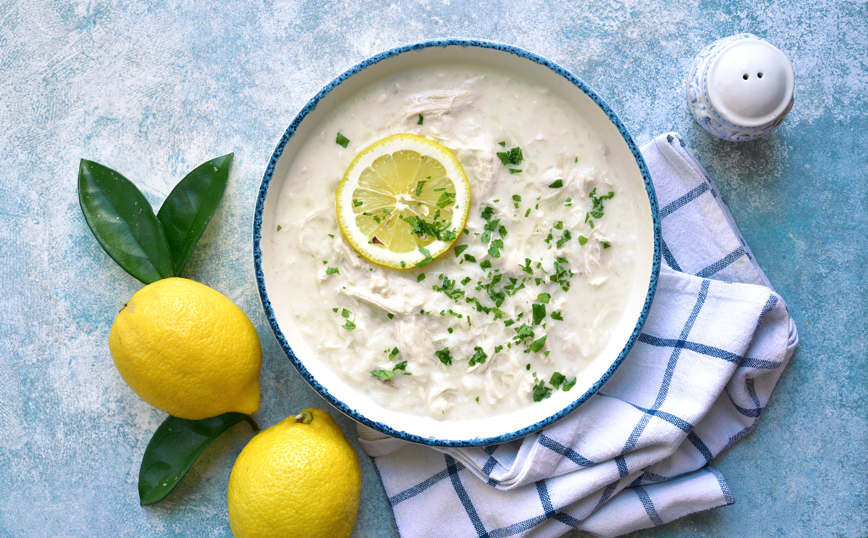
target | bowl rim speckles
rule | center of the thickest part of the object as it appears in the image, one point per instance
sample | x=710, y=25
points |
x=464, y=435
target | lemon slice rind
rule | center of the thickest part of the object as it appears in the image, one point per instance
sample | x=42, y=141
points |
x=350, y=183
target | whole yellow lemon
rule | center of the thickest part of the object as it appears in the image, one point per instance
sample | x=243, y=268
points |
x=187, y=350
x=299, y=478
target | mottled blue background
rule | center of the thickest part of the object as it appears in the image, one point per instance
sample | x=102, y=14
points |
x=153, y=90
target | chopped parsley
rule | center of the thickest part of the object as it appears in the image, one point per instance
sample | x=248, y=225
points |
x=524, y=331
x=539, y=313
x=357, y=203
x=538, y=344
x=557, y=184
x=514, y=171
x=513, y=156
x=279, y=227
x=582, y=239
x=557, y=315
x=419, y=187
x=557, y=380
x=332, y=271
x=446, y=198
x=393, y=353
x=349, y=325
x=459, y=249
x=494, y=250
x=425, y=229
x=605, y=244
x=540, y=391
x=390, y=315
x=469, y=258
x=400, y=366
x=478, y=357
x=342, y=141
x=427, y=259
x=420, y=277
x=444, y=355
x=568, y=385
x=544, y=297
x=421, y=119
x=383, y=374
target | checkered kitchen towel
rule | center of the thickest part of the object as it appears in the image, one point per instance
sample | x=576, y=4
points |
x=637, y=453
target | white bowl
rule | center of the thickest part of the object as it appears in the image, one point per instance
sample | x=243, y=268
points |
x=623, y=157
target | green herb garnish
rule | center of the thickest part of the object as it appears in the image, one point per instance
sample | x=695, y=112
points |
x=557, y=184
x=540, y=391
x=478, y=357
x=342, y=141
x=383, y=374
x=538, y=344
x=557, y=380
x=539, y=313
x=512, y=156
x=332, y=271
x=425, y=261
x=444, y=355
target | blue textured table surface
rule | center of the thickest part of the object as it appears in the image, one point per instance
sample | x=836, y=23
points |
x=153, y=91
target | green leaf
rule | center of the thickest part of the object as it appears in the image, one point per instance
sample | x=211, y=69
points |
x=123, y=222
x=190, y=205
x=172, y=450
x=383, y=374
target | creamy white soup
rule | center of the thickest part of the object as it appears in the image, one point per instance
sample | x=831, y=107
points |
x=529, y=293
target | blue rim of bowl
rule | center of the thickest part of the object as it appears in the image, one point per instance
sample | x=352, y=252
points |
x=257, y=238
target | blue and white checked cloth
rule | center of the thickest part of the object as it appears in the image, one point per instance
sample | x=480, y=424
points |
x=636, y=454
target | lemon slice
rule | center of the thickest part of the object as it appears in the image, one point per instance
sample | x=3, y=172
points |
x=403, y=201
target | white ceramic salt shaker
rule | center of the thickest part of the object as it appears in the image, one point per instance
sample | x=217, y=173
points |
x=740, y=88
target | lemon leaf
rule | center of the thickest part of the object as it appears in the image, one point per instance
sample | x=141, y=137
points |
x=190, y=206
x=123, y=222
x=174, y=448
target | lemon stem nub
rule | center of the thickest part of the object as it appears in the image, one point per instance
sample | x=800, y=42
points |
x=304, y=417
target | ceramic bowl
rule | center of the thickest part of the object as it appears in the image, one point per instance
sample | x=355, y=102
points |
x=623, y=157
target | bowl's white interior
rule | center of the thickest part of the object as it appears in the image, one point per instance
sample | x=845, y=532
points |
x=622, y=164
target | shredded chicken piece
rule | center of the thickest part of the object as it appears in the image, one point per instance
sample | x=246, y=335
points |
x=438, y=102
x=396, y=303
x=594, y=338
x=311, y=239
